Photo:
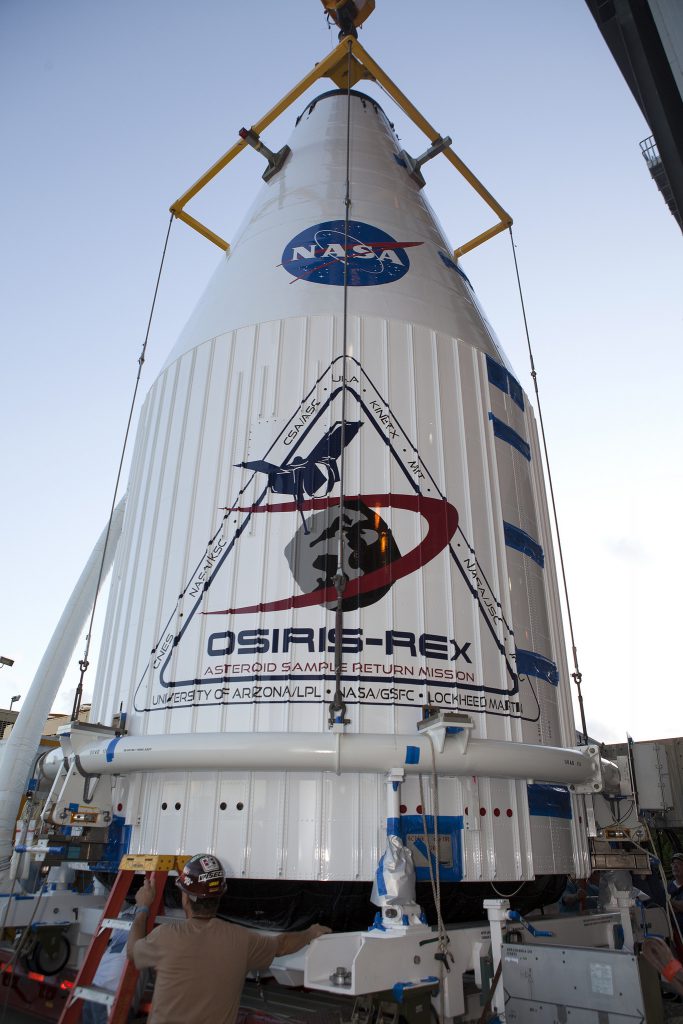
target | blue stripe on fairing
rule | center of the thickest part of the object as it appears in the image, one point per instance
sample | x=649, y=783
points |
x=393, y=826
x=529, y=663
x=518, y=539
x=505, y=432
x=498, y=375
x=503, y=379
x=549, y=801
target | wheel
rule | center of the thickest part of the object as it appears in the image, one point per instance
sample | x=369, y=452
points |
x=51, y=955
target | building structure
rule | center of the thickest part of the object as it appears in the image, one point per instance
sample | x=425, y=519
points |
x=645, y=38
x=54, y=721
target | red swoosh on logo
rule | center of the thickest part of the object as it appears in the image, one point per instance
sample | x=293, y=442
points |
x=442, y=522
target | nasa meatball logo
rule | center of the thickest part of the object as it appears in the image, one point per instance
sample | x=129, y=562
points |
x=320, y=253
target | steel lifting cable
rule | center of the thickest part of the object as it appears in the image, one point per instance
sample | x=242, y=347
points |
x=337, y=708
x=576, y=674
x=84, y=663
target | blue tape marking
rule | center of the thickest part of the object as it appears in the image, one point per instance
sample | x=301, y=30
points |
x=452, y=265
x=547, y=801
x=110, y=749
x=399, y=160
x=452, y=730
x=379, y=875
x=118, y=844
x=377, y=924
x=412, y=755
x=498, y=375
x=404, y=919
x=516, y=393
x=394, y=786
x=531, y=664
x=518, y=539
x=33, y=785
x=399, y=988
x=505, y=433
x=393, y=826
x=503, y=379
x=449, y=826
x=74, y=808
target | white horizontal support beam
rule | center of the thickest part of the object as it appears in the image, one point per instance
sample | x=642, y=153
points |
x=332, y=752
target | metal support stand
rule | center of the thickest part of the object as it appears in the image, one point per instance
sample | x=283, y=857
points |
x=497, y=911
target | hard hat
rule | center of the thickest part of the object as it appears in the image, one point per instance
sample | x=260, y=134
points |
x=202, y=877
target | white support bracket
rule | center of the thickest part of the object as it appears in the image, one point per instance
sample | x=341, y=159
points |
x=455, y=725
x=362, y=963
x=79, y=797
x=605, y=776
x=393, y=780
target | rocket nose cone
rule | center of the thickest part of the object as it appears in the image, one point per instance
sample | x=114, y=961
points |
x=296, y=254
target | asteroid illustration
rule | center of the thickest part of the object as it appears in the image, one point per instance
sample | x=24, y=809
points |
x=368, y=545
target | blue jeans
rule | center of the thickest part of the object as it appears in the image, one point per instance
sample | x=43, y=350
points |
x=94, y=1013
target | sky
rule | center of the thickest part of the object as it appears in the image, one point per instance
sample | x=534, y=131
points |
x=110, y=111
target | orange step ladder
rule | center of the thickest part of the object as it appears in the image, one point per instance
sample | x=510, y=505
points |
x=119, y=1002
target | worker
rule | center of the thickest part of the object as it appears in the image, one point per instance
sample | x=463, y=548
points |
x=580, y=895
x=675, y=890
x=108, y=974
x=201, y=962
x=656, y=951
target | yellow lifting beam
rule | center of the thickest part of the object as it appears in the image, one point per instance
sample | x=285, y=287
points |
x=336, y=67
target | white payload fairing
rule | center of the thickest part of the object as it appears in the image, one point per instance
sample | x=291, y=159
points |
x=337, y=406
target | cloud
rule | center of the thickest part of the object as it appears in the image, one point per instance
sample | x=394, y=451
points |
x=605, y=732
x=628, y=549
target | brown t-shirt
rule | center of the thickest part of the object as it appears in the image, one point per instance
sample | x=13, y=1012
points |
x=200, y=967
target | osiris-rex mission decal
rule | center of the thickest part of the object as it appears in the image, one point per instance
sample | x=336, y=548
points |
x=249, y=625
